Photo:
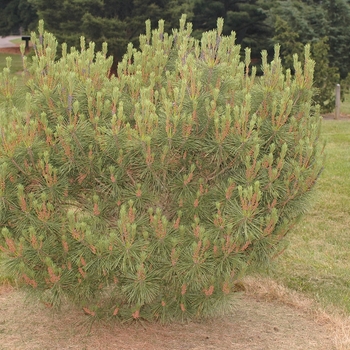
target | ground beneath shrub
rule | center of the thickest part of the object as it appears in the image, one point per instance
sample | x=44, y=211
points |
x=256, y=323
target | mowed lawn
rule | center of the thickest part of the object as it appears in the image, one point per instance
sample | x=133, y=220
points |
x=317, y=261
x=16, y=62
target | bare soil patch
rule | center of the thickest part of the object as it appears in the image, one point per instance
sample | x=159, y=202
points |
x=261, y=320
x=11, y=50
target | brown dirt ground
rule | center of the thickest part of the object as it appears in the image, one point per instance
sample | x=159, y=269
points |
x=10, y=50
x=265, y=317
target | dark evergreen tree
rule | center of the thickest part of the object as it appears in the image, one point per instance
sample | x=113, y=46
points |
x=323, y=24
x=246, y=18
x=116, y=22
x=325, y=76
x=307, y=19
x=16, y=14
x=289, y=41
x=338, y=17
x=314, y=20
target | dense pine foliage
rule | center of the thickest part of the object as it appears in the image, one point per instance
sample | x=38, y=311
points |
x=147, y=194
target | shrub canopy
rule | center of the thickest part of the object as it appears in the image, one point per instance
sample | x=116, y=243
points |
x=147, y=194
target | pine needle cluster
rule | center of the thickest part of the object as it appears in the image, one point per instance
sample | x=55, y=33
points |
x=146, y=194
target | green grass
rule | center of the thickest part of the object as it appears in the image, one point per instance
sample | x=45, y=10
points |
x=345, y=105
x=17, y=41
x=16, y=64
x=317, y=261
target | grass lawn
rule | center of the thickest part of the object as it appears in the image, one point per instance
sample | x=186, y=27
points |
x=345, y=105
x=317, y=261
x=17, y=41
x=16, y=63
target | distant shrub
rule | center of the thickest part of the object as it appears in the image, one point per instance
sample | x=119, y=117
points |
x=147, y=194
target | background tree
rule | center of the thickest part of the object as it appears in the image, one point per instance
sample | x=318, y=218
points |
x=117, y=22
x=307, y=19
x=289, y=41
x=325, y=76
x=314, y=20
x=338, y=17
x=16, y=14
x=297, y=23
x=259, y=24
x=64, y=18
x=246, y=18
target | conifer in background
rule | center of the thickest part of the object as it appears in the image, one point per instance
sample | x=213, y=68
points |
x=325, y=77
x=149, y=193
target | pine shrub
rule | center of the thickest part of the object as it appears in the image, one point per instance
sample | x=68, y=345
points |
x=148, y=193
